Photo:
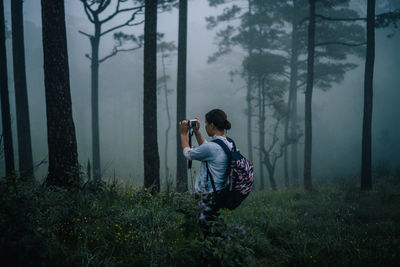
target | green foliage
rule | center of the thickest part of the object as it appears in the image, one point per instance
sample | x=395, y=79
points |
x=106, y=224
x=120, y=225
x=264, y=64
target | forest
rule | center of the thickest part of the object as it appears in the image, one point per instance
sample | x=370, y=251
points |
x=94, y=150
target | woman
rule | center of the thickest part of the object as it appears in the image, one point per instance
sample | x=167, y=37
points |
x=210, y=154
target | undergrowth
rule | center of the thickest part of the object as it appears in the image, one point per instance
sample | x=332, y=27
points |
x=117, y=225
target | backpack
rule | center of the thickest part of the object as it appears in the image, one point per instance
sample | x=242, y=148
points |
x=241, y=178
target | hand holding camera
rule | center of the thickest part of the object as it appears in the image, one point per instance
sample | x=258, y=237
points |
x=194, y=124
x=186, y=126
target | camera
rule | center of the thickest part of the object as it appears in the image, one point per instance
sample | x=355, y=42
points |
x=192, y=123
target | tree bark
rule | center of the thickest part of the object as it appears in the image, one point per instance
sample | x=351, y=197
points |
x=366, y=177
x=5, y=102
x=21, y=94
x=151, y=156
x=308, y=98
x=286, y=138
x=95, y=43
x=63, y=156
x=271, y=171
x=261, y=133
x=249, y=118
x=249, y=98
x=293, y=108
x=181, y=169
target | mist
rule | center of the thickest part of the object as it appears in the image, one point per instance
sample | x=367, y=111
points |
x=337, y=113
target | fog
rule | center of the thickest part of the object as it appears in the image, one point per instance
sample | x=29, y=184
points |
x=337, y=113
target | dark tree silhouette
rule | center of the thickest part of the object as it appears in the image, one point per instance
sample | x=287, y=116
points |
x=308, y=97
x=332, y=43
x=63, y=156
x=366, y=179
x=181, y=168
x=95, y=11
x=21, y=94
x=5, y=103
x=151, y=156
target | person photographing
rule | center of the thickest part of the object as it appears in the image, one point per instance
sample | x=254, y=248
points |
x=213, y=174
x=226, y=177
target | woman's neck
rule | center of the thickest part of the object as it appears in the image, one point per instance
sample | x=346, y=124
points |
x=219, y=134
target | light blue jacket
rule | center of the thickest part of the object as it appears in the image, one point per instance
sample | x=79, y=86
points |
x=217, y=164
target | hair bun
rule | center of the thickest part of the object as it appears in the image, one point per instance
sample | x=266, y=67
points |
x=227, y=125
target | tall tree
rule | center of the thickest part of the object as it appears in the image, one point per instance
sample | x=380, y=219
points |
x=166, y=49
x=308, y=96
x=266, y=70
x=366, y=178
x=249, y=98
x=5, y=103
x=333, y=46
x=95, y=11
x=61, y=138
x=231, y=12
x=21, y=94
x=181, y=169
x=259, y=30
x=291, y=133
x=151, y=156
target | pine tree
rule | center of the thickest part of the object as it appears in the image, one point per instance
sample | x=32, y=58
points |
x=63, y=156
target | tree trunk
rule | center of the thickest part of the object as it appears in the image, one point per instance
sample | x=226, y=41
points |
x=150, y=151
x=271, y=172
x=366, y=177
x=293, y=108
x=249, y=119
x=308, y=98
x=286, y=138
x=261, y=136
x=95, y=43
x=63, y=156
x=168, y=119
x=249, y=98
x=181, y=169
x=5, y=103
x=21, y=94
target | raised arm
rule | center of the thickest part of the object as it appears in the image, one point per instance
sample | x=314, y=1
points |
x=199, y=137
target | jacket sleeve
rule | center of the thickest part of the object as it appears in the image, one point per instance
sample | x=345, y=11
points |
x=204, y=152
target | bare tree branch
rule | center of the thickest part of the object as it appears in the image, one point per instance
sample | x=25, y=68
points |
x=339, y=19
x=301, y=84
x=275, y=136
x=340, y=43
x=116, y=51
x=118, y=11
x=89, y=12
x=104, y=4
x=127, y=23
x=86, y=34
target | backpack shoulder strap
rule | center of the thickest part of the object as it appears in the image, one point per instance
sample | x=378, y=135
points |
x=233, y=143
x=228, y=153
x=224, y=146
x=211, y=178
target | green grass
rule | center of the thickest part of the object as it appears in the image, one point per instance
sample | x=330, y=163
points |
x=336, y=225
